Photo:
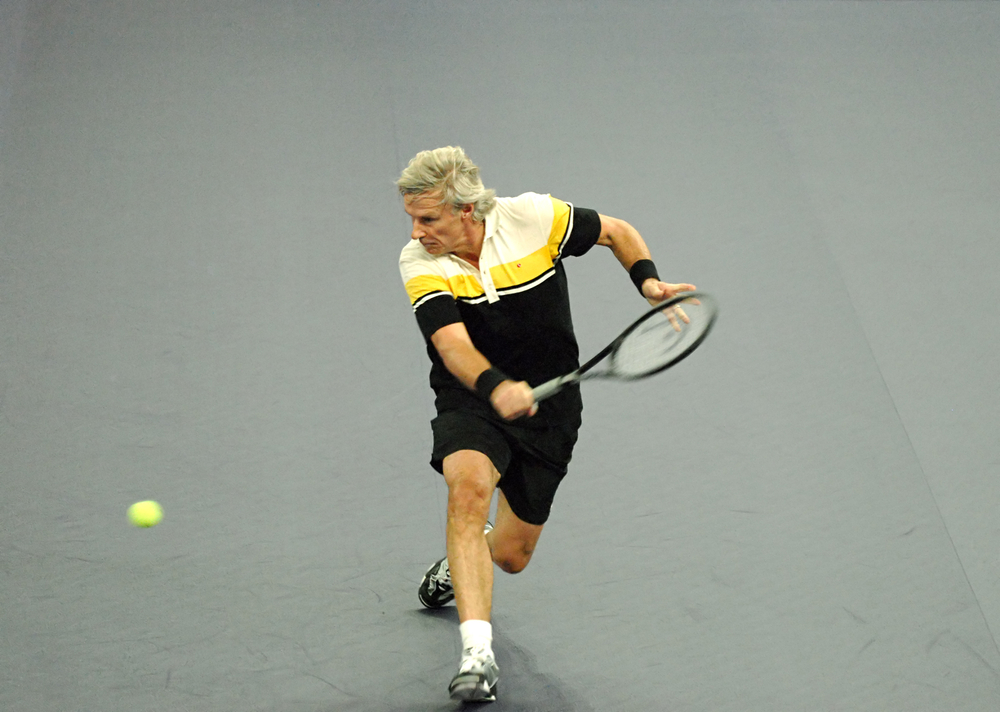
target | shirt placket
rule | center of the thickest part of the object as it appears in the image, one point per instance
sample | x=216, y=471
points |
x=485, y=278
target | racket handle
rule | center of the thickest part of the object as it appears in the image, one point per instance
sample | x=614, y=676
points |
x=550, y=388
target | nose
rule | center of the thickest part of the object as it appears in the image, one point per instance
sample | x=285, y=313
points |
x=416, y=233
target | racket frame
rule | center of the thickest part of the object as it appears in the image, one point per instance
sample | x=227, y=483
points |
x=550, y=388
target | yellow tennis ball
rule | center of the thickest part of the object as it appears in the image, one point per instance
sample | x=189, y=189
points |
x=145, y=514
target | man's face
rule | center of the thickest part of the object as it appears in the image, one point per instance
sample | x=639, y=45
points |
x=439, y=229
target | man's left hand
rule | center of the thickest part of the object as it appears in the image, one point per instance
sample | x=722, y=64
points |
x=656, y=292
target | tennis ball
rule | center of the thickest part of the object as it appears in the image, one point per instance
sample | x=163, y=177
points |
x=145, y=514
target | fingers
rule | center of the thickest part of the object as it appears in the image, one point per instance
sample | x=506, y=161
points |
x=658, y=292
x=511, y=400
x=661, y=291
x=672, y=290
x=676, y=315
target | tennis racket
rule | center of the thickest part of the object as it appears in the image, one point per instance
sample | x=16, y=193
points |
x=660, y=338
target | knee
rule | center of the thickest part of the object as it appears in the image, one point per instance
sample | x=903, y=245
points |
x=471, y=479
x=468, y=503
x=512, y=565
x=468, y=496
x=513, y=560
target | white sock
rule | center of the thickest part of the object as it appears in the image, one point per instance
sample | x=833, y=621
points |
x=476, y=634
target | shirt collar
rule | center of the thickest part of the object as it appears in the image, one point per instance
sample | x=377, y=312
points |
x=491, y=224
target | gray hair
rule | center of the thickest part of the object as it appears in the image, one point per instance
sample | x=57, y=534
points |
x=449, y=171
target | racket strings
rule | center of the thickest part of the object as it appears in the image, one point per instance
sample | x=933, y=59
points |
x=657, y=342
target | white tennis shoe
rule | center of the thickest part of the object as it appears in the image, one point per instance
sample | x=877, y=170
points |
x=477, y=677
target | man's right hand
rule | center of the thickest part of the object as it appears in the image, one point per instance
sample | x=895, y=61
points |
x=513, y=399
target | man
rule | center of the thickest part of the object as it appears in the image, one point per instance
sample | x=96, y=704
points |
x=487, y=284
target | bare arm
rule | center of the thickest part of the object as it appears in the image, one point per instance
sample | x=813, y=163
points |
x=628, y=247
x=511, y=399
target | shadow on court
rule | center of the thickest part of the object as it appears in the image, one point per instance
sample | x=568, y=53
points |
x=523, y=688
x=423, y=685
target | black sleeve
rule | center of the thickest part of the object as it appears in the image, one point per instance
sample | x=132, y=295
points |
x=586, y=230
x=436, y=312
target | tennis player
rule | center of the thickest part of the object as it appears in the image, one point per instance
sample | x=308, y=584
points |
x=488, y=287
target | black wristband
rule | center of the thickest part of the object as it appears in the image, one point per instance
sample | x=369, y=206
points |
x=640, y=271
x=488, y=380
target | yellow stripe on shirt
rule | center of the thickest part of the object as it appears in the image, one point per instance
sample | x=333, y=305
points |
x=523, y=270
x=461, y=285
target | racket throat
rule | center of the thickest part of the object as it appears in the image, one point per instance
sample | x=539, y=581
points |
x=550, y=388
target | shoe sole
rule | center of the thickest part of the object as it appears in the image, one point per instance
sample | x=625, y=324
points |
x=434, y=606
x=472, y=688
x=427, y=604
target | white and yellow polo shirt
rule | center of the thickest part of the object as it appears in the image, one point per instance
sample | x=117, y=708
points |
x=516, y=304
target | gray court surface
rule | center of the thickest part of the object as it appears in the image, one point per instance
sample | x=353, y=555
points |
x=200, y=305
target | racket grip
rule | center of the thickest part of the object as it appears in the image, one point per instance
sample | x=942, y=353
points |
x=550, y=388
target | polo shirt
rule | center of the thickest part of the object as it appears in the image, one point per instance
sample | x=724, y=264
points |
x=515, y=306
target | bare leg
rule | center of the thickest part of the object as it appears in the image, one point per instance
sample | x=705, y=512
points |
x=512, y=541
x=471, y=480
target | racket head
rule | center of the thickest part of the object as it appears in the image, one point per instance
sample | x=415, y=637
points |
x=661, y=337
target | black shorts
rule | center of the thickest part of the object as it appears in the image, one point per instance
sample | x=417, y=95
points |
x=531, y=461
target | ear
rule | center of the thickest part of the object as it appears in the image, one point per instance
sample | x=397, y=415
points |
x=467, y=210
